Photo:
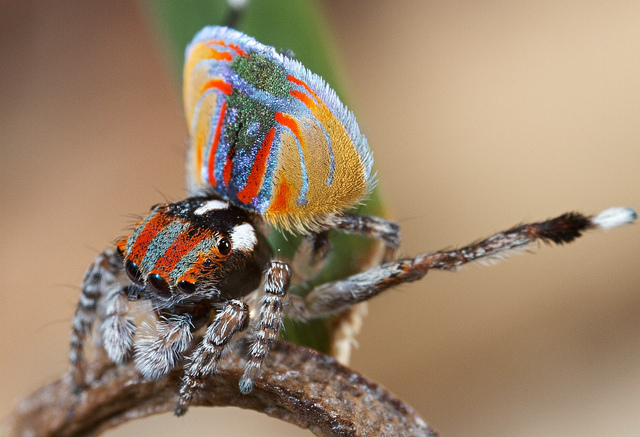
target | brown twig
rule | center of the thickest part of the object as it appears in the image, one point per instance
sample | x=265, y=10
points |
x=297, y=385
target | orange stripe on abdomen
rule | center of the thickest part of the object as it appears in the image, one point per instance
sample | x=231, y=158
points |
x=254, y=181
x=198, y=157
x=214, y=144
x=220, y=84
x=226, y=171
x=282, y=197
x=303, y=98
x=235, y=47
x=292, y=124
x=220, y=56
x=303, y=84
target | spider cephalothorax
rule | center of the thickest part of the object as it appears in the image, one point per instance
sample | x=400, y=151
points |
x=199, y=248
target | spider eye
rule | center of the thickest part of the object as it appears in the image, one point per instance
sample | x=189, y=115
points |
x=133, y=272
x=159, y=285
x=224, y=246
x=207, y=263
x=187, y=287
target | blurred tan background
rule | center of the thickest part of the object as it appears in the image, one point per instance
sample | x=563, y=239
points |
x=480, y=114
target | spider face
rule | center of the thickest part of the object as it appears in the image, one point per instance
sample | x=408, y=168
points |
x=193, y=250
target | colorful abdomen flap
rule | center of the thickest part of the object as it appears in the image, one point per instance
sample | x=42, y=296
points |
x=268, y=134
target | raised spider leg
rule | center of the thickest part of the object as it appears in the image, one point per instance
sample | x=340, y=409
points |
x=370, y=226
x=311, y=255
x=269, y=321
x=230, y=320
x=335, y=297
x=103, y=281
x=314, y=248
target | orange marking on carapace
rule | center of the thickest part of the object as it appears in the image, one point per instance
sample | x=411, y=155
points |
x=282, y=197
x=179, y=248
x=155, y=224
x=292, y=124
x=214, y=144
x=254, y=181
x=220, y=84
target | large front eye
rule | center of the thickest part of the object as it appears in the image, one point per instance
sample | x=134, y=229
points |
x=224, y=246
x=159, y=285
x=186, y=287
x=133, y=272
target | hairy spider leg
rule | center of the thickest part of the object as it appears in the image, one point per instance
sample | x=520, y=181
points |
x=233, y=318
x=161, y=350
x=116, y=331
x=335, y=297
x=370, y=226
x=105, y=286
x=269, y=320
x=106, y=290
x=204, y=361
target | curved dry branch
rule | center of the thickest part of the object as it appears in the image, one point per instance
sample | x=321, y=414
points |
x=297, y=385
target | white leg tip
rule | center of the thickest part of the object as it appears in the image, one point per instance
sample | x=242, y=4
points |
x=612, y=217
x=246, y=385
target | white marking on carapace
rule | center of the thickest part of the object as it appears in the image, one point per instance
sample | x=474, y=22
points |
x=243, y=237
x=211, y=205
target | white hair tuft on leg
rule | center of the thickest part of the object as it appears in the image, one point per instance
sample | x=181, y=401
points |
x=612, y=217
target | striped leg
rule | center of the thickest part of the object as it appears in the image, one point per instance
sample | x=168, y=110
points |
x=230, y=320
x=103, y=276
x=269, y=321
x=335, y=297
